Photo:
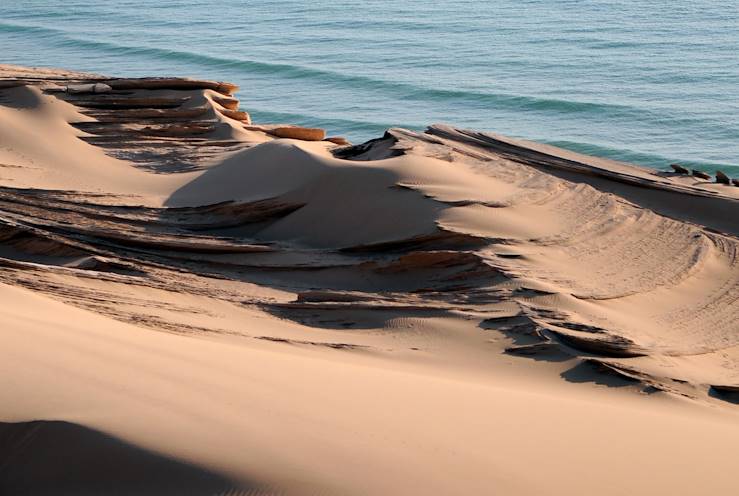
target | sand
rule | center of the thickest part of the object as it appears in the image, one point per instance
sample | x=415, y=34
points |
x=192, y=304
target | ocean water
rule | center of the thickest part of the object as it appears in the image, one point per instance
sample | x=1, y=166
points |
x=646, y=81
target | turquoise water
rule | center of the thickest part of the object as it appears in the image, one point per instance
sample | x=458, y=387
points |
x=650, y=82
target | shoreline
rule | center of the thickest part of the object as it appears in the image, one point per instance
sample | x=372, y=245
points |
x=654, y=159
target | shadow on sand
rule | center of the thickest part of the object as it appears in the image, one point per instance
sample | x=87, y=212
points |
x=59, y=458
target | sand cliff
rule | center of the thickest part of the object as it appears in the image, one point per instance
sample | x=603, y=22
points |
x=223, y=310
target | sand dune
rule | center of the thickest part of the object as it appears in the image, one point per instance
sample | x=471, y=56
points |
x=220, y=310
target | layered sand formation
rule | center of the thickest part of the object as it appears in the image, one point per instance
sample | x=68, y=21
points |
x=218, y=308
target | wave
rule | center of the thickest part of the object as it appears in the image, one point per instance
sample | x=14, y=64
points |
x=651, y=160
x=583, y=113
x=337, y=124
x=291, y=71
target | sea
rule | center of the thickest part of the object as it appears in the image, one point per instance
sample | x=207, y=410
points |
x=644, y=81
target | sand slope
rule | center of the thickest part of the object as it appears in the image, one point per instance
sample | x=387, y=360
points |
x=221, y=311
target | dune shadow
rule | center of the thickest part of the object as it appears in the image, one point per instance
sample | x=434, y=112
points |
x=525, y=341
x=541, y=352
x=348, y=318
x=589, y=371
x=728, y=394
x=60, y=458
x=20, y=97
